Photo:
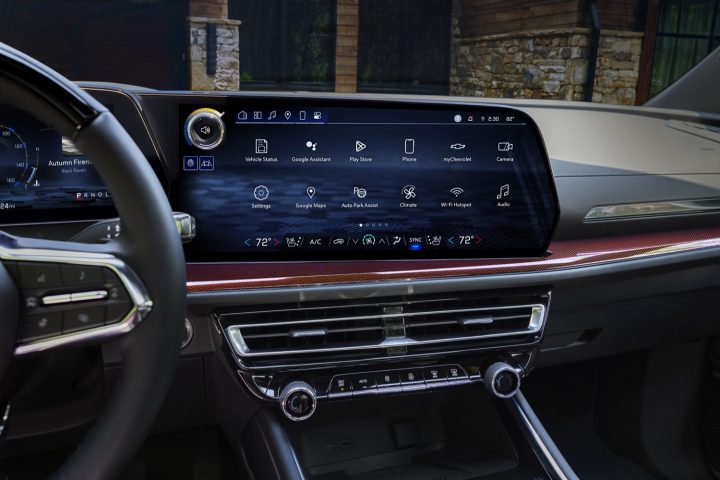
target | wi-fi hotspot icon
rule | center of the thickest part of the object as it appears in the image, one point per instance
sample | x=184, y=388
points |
x=457, y=191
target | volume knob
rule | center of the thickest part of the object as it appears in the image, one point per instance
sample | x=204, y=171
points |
x=205, y=129
x=298, y=401
x=501, y=380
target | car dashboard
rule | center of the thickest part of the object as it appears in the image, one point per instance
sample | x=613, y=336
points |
x=369, y=245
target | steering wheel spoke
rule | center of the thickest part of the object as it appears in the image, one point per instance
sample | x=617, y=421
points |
x=71, y=293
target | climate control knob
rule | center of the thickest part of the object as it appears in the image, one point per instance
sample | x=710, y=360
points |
x=502, y=380
x=298, y=401
x=205, y=129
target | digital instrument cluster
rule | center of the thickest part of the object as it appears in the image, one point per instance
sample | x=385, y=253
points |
x=42, y=174
x=327, y=179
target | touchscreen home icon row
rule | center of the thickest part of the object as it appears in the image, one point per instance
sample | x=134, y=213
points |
x=408, y=192
x=280, y=115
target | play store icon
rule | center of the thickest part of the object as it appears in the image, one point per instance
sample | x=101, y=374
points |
x=359, y=146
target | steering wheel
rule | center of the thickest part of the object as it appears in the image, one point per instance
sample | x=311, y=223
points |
x=137, y=280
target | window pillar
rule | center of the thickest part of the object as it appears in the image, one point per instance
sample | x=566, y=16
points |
x=213, y=46
x=346, y=46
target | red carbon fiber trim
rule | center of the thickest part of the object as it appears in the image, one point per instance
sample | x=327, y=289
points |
x=206, y=277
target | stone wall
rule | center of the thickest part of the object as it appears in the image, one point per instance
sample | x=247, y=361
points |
x=227, y=52
x=548, y=64
x=227, y=74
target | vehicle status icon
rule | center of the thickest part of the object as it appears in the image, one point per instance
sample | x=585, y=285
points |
x=261, y=146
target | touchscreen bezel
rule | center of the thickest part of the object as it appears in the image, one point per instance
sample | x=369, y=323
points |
x=266, y=101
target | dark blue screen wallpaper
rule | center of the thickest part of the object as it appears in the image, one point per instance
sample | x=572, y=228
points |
x=339, y=182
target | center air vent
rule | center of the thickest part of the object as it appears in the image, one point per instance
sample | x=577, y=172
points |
x=389, y=326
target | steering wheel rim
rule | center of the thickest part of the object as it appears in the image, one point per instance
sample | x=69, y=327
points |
x=149, y=247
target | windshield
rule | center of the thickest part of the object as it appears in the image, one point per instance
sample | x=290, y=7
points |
x=618, y=52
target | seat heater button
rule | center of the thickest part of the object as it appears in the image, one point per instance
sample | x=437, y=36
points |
x=39, y=275
x=81, y=275
x=455, y=372
x=435, y=374
x=83, y=318
x=41, y=326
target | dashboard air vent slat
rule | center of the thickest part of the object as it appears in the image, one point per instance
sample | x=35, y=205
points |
x=381, y=327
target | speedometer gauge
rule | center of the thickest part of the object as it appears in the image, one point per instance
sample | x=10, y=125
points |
x=18, y=168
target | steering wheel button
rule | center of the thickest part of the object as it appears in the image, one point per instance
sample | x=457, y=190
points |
x=116, y=311
x=41, y=326
x=83, y=318
x=39, y=275
x=81, y=275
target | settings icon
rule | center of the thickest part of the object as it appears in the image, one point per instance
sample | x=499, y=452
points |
x=261, y=193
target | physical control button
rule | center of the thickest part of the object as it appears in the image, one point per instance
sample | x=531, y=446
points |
x=411, y=376
x=39, y=275
x=83, y=318
x=116, y=290
x=116, y=311
x=363, y=383
x=412, y=380
x=30, y=301
x=205, y=129
x=387, y=380
x=41, y=326
x=435, y=374
x=298, y=401
x=81, y=275
x=339, y=386
x=501, y=380
x=454, y=372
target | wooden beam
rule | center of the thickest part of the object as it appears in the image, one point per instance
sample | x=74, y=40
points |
x=346, y=45
x=648, y=52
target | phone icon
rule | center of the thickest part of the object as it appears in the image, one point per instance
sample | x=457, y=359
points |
x=409, y=146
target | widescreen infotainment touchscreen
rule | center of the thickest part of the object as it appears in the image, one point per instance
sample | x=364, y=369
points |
x=322, y=180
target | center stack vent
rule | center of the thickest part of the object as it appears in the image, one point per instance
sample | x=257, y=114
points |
x=351, y=330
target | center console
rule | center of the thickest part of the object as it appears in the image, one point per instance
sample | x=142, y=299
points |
x=298, y=179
